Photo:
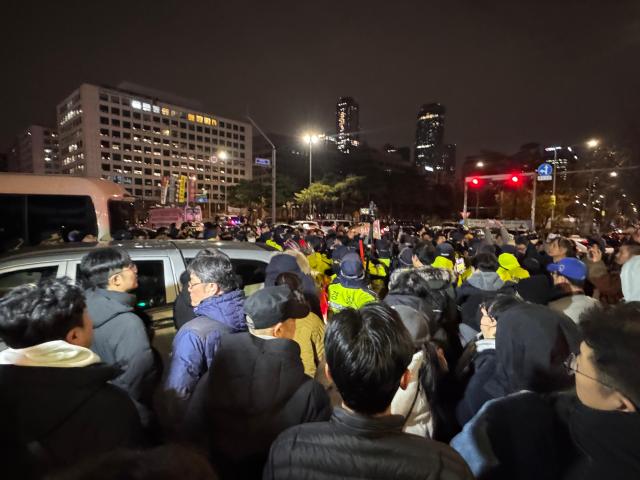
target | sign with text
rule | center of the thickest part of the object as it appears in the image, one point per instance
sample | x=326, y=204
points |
x=263, y=162
x=545, y=172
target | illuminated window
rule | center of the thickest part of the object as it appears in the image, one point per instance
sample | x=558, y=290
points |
x=191, y=117
x=146, y=107
x=199, y=118
x=156, y=109
x=214, y=122
x=207, y=121
x=165, y=111
x=136, y=104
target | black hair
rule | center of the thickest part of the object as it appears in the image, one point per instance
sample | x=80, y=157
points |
x=426, y=253
x=98, y=265
x=367, y=351
x=160, y=463
x=214, y=267
x=38, y=313
x=613, y=333
x=633, y=247
x=500, y=304
x=291, y=280
x=567, y=244
x=440, y=234
x=485, y=262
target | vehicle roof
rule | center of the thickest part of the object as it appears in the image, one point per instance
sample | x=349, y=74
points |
x=25, y=183
x=150, y=246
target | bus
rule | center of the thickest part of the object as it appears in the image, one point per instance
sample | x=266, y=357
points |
x=35, y=207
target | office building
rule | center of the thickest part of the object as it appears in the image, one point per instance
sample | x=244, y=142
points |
x=35, y=150
x=136, y=136
x=347, y=125
x=446, y=168
x=429, y=137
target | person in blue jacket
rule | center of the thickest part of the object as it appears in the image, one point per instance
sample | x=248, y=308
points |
x=218, y=303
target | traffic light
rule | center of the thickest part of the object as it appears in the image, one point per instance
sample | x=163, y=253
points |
x=514, y=180
x=475, y=182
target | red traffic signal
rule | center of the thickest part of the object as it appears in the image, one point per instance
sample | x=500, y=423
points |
x=515, y=179
x=475, y=182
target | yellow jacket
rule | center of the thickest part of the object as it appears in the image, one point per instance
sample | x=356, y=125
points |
x=310, y=337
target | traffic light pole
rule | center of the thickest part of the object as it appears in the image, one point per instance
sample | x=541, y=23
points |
x=501, y=177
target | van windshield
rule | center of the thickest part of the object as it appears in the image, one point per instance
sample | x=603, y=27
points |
x=121, y=215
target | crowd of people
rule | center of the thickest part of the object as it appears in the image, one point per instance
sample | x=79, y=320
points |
x=414, y=355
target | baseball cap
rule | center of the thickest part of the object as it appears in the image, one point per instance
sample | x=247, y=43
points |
x=569, y=267
x=445, y=249
x=351, y=266
x=272, y=305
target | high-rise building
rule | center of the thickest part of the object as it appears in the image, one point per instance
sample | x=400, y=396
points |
x=347, y=124
x=35, y=150
x=447, y=166
x=429, y=136
x=136, y=137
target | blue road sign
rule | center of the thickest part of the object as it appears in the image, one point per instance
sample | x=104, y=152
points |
x=545, y=170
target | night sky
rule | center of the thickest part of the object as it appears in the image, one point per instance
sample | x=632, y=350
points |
x=508, y=71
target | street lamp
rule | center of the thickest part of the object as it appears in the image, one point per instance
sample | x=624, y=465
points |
x=553, y=188
x=222, y=155
x=480, y=164
x=593, y=143
x=310, y=139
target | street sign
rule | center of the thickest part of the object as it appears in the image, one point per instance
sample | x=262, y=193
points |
x=263, y=162
x=202, y=198
x=545, y=172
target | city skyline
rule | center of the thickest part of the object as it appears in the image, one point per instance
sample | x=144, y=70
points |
x=506, y=76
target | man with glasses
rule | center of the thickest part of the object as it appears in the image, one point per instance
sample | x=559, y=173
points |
x=217, y=301
x=592, y=433
x=120, y=337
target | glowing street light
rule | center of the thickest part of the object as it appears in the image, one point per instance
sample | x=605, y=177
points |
x=613, y=174
x=593, y=143
x=480, y=164
x=310, y=139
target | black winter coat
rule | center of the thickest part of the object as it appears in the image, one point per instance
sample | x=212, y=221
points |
x=352, y=446
x=53, y=417
x=255, y=389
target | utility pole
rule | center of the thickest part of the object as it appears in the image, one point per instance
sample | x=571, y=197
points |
x=273, y=168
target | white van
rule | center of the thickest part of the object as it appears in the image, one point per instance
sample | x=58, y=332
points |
x=34, y=206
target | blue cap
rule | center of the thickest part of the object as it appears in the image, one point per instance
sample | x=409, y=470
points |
x=351, y=266
x=569, y=267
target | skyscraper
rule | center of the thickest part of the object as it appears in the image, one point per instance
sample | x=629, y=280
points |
x=35, y=151
x=347, y=124
x=429, y=136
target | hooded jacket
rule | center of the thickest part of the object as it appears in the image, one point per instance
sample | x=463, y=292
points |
x=532, y=342
x=52, y=416
x=255, y=389
x=480, y=287
x=555, y=437
x=120, y=338
x=630, y=279
x=195, y=344
x=287, y=263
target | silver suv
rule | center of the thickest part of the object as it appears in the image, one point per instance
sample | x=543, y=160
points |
x=160, y=264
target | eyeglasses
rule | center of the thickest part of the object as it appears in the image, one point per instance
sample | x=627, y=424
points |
x=571, y=364
x=191, y=285
x=131, y=267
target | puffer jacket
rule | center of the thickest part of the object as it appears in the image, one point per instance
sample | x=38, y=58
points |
x=120, y=338
x=355, y=446
x=195, y=343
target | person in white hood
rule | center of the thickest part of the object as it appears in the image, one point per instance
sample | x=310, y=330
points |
x=630, y=279
x=412, y=402
x=56, y=402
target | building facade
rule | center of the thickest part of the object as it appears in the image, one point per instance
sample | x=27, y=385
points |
x=135, y=138
x=35, y=150
x=347, y=125
x=429, y=137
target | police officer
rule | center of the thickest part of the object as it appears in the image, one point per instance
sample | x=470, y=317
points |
x=350, y=289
